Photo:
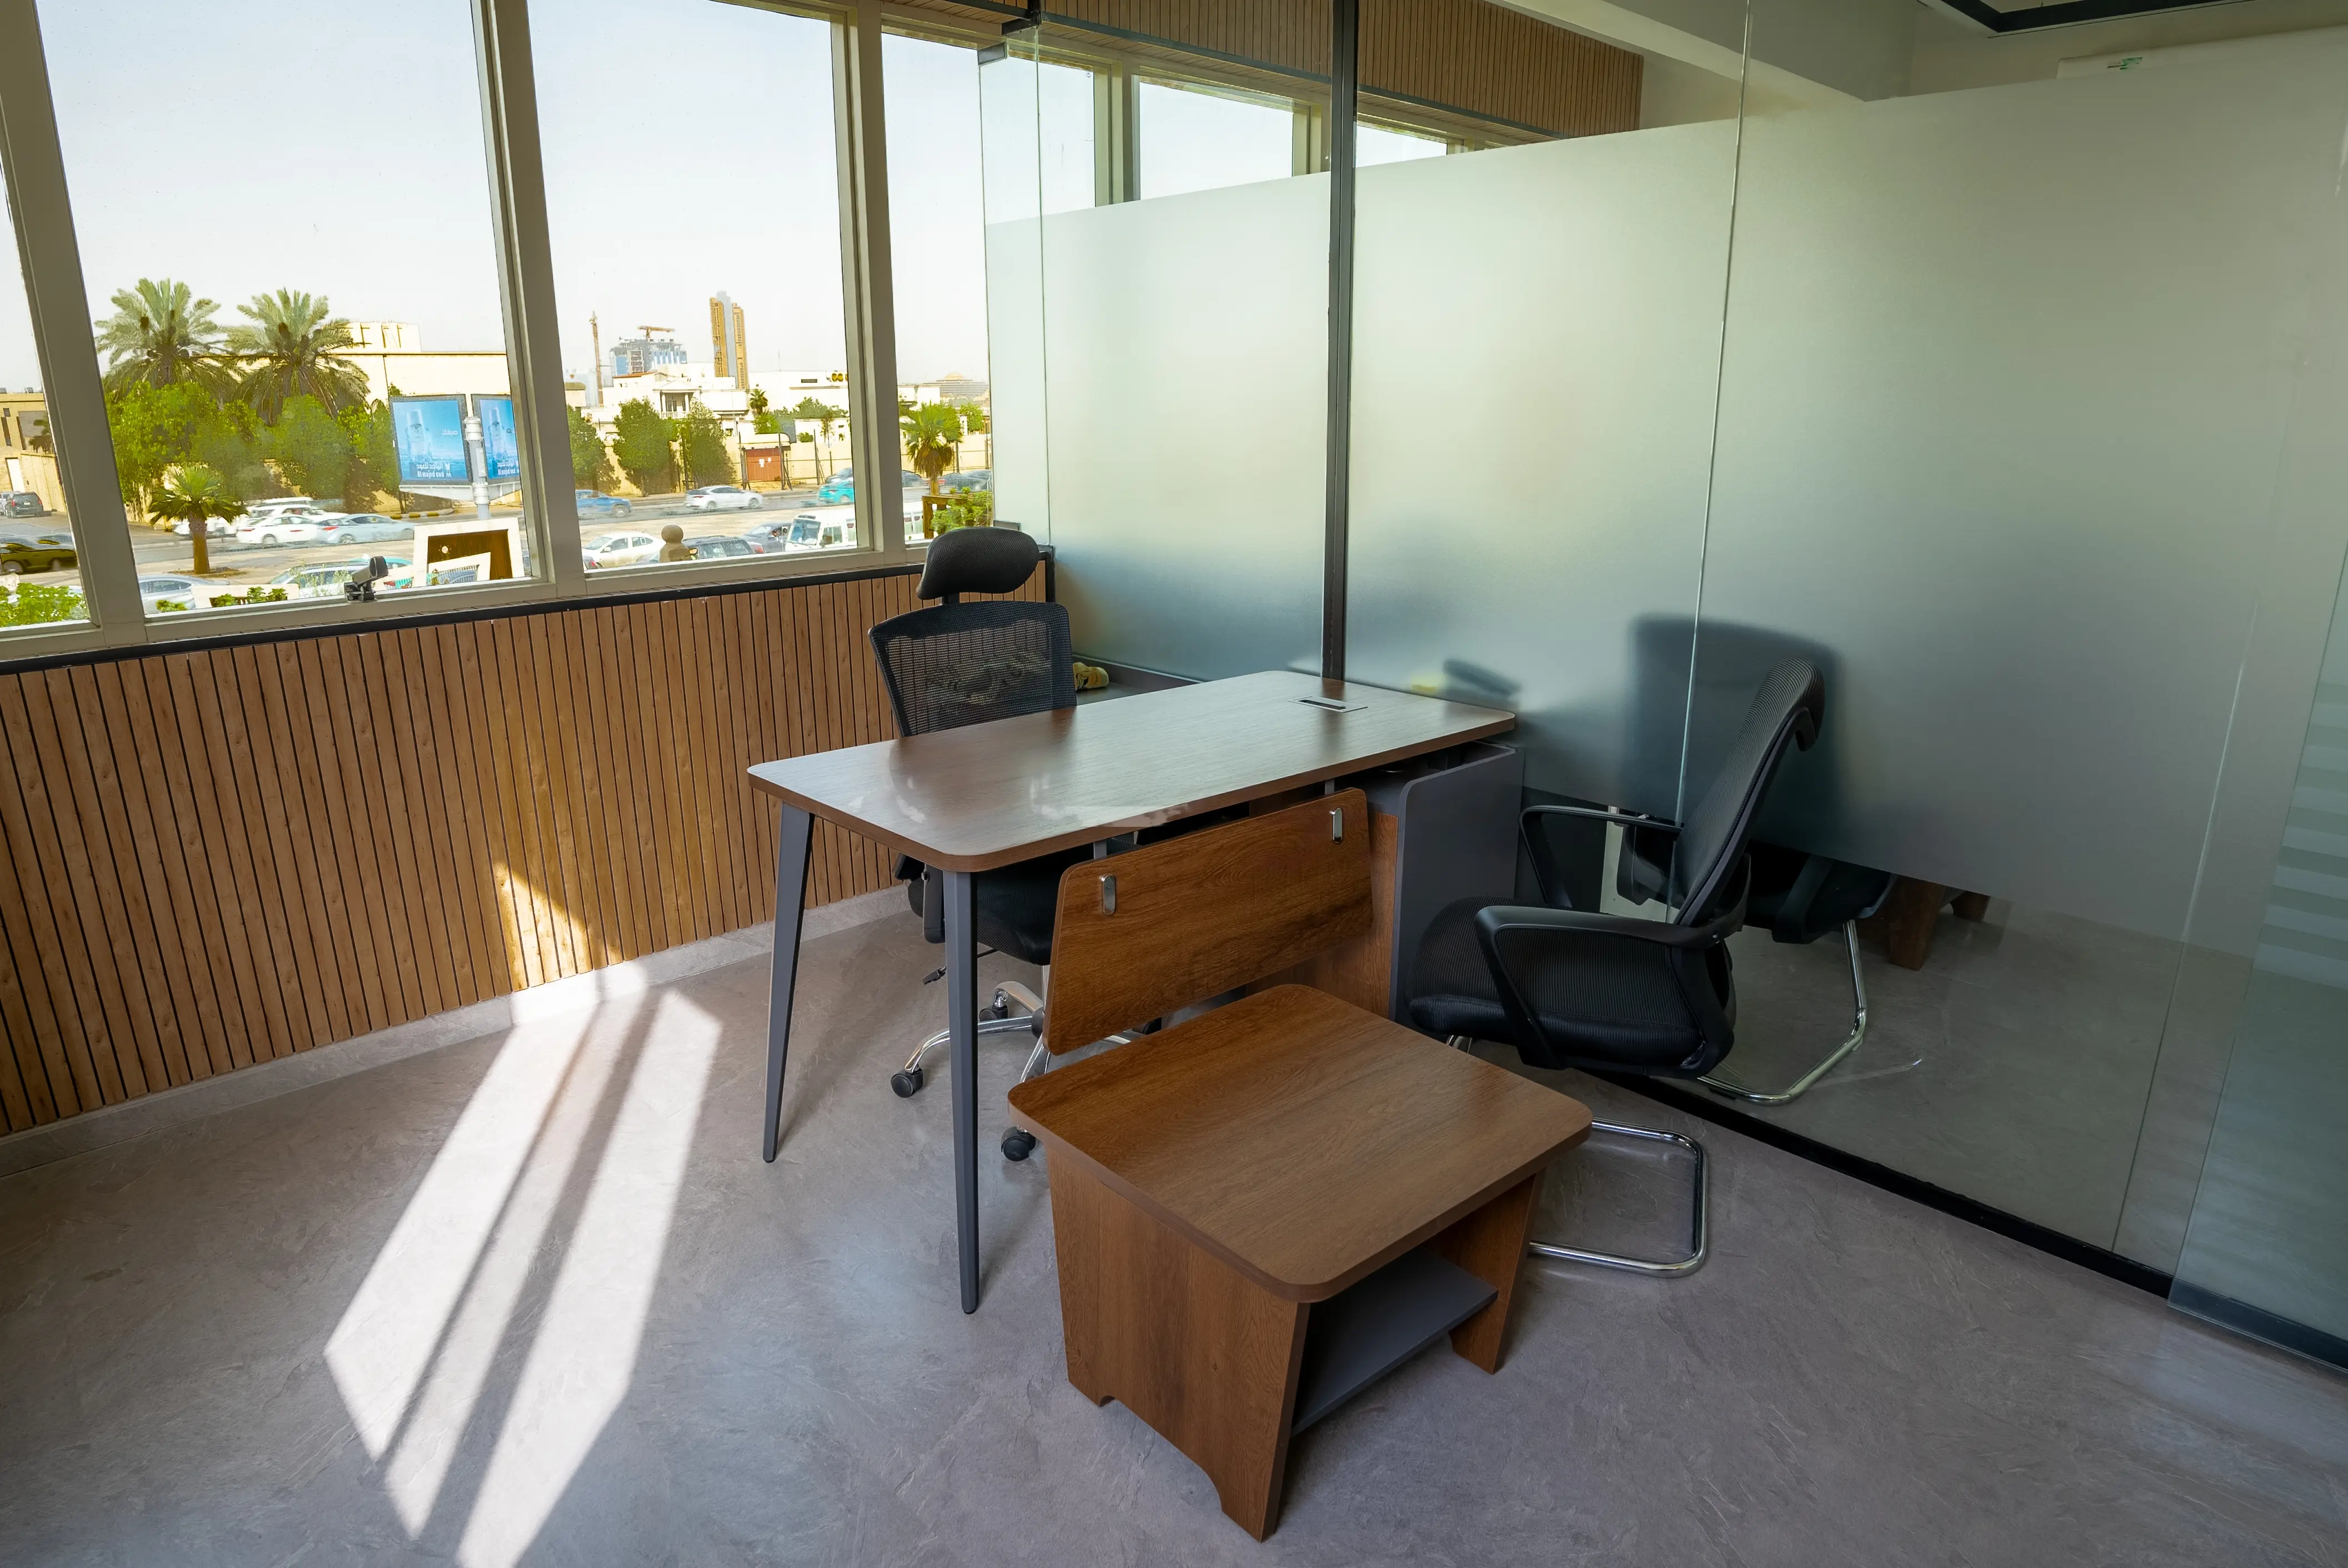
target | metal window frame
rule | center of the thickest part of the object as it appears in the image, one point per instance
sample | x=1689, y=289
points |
x=55, y=292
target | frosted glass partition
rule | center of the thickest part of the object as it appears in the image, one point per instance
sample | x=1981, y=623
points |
x=2004, y=391
x=1184, y=388
x=1536, y=338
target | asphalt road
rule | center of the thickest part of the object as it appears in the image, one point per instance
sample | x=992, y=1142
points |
x=236, y=567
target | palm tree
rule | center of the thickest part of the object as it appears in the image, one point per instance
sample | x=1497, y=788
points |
x=160, y=333
x=194, y=494
x=932, y=433
x=289, y=350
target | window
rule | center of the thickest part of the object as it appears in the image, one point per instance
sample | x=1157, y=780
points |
x=695, y=233
x=1377, y=144
x=249, y=269
x=937, y=242
x=1200, y=138
x=40, y=575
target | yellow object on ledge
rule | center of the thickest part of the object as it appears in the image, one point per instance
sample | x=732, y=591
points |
x=1090, y=677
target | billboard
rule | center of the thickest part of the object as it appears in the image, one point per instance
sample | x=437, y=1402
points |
x=498, y=447
x=431, y=435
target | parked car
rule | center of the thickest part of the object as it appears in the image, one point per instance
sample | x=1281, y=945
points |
x=325, y=580
x=279, y=504
x=291, y=526
x=215, y=528
x=722, y=498
x=840, y=488
x=188, y=593
x=18, y=556
x=973, y=479
x=620, y=550
x=22, y=504
x=718, y=546
x=595, y=504
x=364, y=528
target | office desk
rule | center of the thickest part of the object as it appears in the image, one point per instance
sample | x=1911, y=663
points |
x=985, y=795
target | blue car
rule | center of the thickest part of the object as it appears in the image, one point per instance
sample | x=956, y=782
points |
x=595, y=504
x=836, y=491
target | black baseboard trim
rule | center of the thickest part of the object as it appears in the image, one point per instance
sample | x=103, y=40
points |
x=2013, y=1228
x=2258, y=1322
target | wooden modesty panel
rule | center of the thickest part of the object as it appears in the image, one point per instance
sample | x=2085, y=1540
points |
x=217, y=857
x=1203, y=914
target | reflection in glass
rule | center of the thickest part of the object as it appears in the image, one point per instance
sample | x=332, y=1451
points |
x=699, y=281
x=40, y=570
x=260, y=304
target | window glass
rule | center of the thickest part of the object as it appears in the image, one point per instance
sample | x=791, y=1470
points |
x=265, y=295
x=699, y=283
x=1376, y=144
x=937, y=238
x=40, y=575
x=1197, y=139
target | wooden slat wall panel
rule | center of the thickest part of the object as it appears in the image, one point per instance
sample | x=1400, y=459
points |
x=213, y=858
x=1474, y=56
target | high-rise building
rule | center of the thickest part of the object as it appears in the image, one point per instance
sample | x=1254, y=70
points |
x=729, y=342
x=635, y=355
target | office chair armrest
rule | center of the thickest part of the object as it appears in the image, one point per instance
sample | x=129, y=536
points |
x=1494, y=919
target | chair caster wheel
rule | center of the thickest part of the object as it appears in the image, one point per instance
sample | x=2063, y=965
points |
x=1018, y=1144
x=994, y=1011
x=907, y=1083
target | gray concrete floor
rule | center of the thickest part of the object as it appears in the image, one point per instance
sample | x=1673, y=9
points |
x=534, y=1299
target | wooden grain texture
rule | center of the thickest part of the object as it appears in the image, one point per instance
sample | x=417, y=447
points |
x=217, y=857
x=1479, y=59
x=965, y=799
x=1490, y=1245
x=1302, y=1139
x=1205, y=914
x=1204, y=1356
x=1359, y=970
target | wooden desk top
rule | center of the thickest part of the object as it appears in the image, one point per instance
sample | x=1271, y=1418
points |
x=988, y=794
x=1304, y=1142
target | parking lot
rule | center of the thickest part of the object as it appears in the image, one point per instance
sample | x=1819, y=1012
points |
x=237, y=567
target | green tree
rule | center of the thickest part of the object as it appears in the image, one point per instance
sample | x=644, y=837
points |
x=641, y=445
x=152, y=426
x=377, y=448
x=311, y=448
x=227, y=441
x=824, y=416
x=932, y=435
x=160, y=334
x=34, y=603
x=195, y=494
x=363, y=475
x=591, y=460
x=701, y=447
x=289, y=350
x=759, y=400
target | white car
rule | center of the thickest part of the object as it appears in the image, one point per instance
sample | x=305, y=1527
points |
x=292, y=526
x=623, y=549
x=214, y=527
x=722, y=498
x=184, y=591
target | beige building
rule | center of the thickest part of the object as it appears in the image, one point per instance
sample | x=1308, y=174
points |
x=391, y=356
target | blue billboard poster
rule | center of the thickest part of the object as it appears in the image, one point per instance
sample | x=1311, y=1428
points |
x=431, y=435
x=498, y=444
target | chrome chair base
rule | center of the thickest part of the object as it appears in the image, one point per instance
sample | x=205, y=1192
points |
x=1729, y=1089
x=1699, y=1229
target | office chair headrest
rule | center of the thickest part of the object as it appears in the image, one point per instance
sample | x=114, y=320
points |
x=977, y=561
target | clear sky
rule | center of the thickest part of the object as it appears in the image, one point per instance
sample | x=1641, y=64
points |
x=336, y=148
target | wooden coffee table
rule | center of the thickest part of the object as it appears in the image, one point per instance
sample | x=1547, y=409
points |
x=1260, y=1211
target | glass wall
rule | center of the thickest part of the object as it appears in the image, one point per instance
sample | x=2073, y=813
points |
x=1160, y=349
x=698, y=278
x=300, y=323
x=40, y=572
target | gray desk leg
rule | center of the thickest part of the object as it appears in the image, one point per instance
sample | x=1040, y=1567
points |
x=791, y=904
x=962, y=1021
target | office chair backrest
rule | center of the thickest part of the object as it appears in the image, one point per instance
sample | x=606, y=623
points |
x=1194, y=917
x=1787, y=709
x=954, y=663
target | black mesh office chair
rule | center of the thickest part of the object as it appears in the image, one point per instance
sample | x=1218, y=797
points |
x=1613, y=993
x=953, y=664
